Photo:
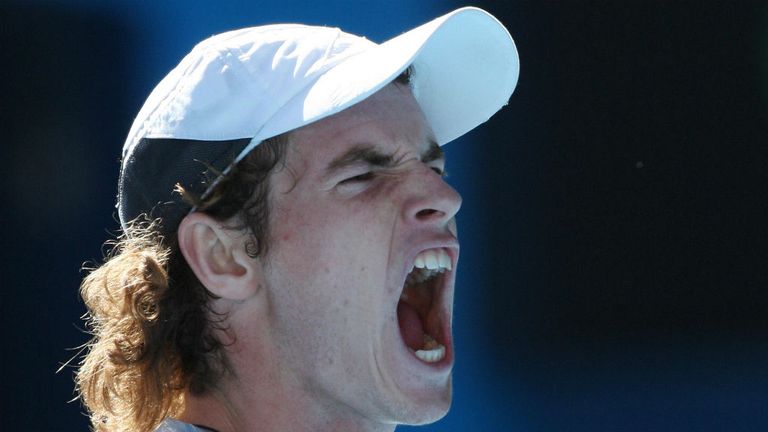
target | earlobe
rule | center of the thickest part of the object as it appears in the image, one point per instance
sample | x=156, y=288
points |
x=218, y=258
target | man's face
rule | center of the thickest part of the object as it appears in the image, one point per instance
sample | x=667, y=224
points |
x=360, y=201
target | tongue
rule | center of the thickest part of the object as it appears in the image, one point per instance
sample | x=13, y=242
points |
x=410, y=326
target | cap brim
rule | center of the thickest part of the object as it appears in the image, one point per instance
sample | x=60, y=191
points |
x=466, y=67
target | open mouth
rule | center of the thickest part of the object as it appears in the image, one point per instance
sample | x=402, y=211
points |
x=419, y=311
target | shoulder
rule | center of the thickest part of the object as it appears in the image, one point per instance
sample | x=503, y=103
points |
x=171, y=425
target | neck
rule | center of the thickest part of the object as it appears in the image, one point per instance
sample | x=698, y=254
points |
x=267, y=410
x=261, y=394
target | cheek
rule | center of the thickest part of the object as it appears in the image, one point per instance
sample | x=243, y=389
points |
x=332, y=251
x=329, y=262
x=316, y=252
x=327, y=228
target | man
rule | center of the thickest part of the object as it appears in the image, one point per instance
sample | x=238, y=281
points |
x=289, y=243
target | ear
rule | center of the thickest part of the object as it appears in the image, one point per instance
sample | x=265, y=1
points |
x=218, y=257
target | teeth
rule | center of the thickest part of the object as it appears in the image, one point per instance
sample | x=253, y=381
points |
x=432, y=352
x=433, y=259
x=429, y=263
x=445, y=261
x=432, y=355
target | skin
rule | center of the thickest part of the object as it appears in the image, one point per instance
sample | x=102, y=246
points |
x=314, y=337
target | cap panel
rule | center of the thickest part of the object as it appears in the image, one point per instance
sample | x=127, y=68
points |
x=155, y=167
x=232, y=84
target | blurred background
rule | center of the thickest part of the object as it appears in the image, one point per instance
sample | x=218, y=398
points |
x=614, y=270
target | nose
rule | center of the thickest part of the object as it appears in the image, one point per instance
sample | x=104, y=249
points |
x=432, y=201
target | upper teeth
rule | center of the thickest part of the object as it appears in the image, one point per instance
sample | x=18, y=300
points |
x=433, y=259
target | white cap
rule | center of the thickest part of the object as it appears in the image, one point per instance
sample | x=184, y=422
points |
x=260, y=82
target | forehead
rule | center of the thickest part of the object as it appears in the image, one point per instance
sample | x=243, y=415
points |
x=390, y=121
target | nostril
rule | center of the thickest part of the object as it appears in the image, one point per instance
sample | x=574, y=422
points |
x=425, y=213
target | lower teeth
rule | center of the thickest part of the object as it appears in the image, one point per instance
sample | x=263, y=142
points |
x=432, y=351
x=432, y=355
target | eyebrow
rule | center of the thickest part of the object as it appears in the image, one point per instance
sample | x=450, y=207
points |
x=433, y=153
x=369, y=155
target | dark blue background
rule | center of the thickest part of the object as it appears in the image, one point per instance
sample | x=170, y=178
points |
x=613, y=272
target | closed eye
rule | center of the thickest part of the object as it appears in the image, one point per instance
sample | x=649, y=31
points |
x=358, y=178
x=439, y=170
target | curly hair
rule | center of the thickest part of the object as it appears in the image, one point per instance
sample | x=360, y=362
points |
x=153, y=331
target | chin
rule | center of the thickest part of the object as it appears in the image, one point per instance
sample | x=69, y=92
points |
x=427, y=408
x=426, y=417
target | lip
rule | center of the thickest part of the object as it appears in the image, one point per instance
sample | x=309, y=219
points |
x=443, y=297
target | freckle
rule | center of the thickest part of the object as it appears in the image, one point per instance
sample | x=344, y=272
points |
x=327, y=270
x=346, y=302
